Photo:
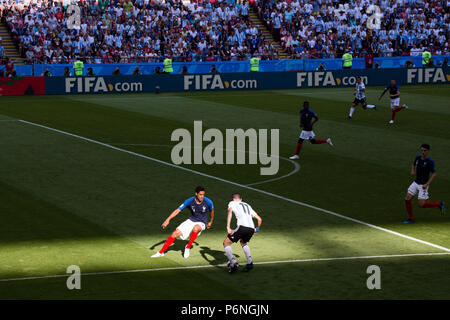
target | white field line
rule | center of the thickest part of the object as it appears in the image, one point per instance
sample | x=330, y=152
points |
x=224, y=265
x=241, y=186
x=294, y=163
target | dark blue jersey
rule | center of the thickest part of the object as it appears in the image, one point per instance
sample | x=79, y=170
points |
x=424, y=167
x=199, y=211
x=393, y=90
x=306, y=116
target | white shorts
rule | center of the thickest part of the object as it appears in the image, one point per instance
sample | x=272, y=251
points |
x=307, y=135
x=187, y=226
x=395, y=102
x=416, y=188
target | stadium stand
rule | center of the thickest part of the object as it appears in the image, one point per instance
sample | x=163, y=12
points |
x=126, y=31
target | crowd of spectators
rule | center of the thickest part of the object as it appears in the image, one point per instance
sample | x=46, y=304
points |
x=328, y=28
x=115, y=31
x=118, y=31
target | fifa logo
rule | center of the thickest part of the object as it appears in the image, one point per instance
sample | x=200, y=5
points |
x=190, y=150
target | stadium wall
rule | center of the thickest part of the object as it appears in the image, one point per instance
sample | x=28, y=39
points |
x=222, y=81
x=242, y=81
x=225, y=66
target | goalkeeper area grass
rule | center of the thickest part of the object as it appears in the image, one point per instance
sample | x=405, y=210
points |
x=87, y=180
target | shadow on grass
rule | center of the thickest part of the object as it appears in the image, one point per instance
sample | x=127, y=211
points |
x=213, y=257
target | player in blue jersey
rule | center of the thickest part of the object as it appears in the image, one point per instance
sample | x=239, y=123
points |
x=360, y=98
x=200, y=207
x=394, y=94
x=422, y=167
x=307, y=119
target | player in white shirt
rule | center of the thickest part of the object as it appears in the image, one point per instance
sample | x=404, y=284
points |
x=245, y=229
x=360, y=98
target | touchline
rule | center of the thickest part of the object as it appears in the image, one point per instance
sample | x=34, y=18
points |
x=189, y=150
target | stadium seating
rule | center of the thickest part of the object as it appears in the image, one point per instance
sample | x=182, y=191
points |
x=126, y=31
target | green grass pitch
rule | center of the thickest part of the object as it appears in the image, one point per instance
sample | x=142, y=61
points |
x=68, y=201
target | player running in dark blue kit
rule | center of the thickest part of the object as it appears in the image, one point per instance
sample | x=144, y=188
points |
x=200, y=207
x=422, y=167
x=394, y=94
x=307, y=119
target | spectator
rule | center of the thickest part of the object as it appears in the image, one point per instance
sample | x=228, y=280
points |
x=321, y=67
x=377, y=65
x=9, y=67
x=184, y=70
x=90, y=72
x=157, y=70
x=409, y=63
x=46, y=73
x=430, y=62
x=66, y=72
x=116, y=72
x=368, y=59
x=445, y=63
x=136, y=72
x=214, y=69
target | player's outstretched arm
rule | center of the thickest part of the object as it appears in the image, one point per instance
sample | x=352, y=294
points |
x=413, y=170
x=211, y=219
x=259, y=219
x=172, y=215
x=230, y=213
x=381, y=96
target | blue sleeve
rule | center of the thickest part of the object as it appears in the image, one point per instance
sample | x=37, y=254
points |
x=186, y=203
x=210, y=203
x=314, y=114
x=432, y=166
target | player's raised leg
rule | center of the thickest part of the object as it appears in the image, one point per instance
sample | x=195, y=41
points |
x=167, y=244
x=320, y=141
x=232, y=263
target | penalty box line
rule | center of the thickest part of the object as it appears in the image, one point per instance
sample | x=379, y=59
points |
x=239, y=185
x=224, y=265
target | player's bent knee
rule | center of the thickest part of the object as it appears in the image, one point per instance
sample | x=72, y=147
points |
x=176, y=233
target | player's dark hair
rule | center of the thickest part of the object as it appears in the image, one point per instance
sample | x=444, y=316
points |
x=236, y=195
x=306, y=103
x=425, y=146
x=199, y=188
x=358, y=77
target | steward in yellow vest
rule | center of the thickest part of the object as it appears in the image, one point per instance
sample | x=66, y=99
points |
x=167, y=66
x=254, y=64
x=347, y=60
x=78, y=68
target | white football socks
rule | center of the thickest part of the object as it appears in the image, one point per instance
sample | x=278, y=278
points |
x=246, y=249
x=229, y=254
x=370, y=106
x=352, y=109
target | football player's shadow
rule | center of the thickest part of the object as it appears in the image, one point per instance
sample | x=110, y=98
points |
x=214, y=257
x=177, y=245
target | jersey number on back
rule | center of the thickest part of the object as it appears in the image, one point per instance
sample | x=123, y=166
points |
x=245, y=208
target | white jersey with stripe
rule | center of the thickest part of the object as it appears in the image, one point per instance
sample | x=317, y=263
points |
x=359, y=93
x=244, y=213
